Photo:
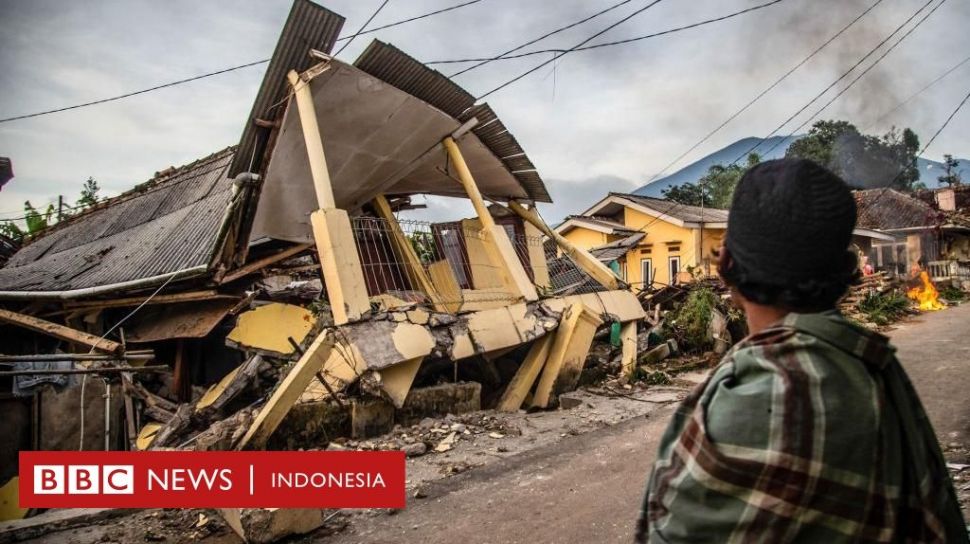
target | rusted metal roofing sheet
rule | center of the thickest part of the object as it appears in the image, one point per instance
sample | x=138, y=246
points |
x=308, y=26
x=169, y=224
x=391, y=65
x=184, y=320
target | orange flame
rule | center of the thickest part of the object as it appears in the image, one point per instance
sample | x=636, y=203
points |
x=927, y=295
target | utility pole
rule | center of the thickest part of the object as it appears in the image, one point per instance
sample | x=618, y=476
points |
x=702, y=259
x=60, y=208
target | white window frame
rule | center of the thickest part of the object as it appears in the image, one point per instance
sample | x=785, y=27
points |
x=670, y=268
x=646, y=276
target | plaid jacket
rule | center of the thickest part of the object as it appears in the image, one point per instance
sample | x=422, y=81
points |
x=809, y=431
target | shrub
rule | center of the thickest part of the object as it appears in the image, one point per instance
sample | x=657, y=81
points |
x=883, y=309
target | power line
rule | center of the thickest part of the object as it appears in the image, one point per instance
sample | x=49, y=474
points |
x=135, y=93
x=508, y=56
x=857, y=78
x=767, y=90
x=917, y=93
x=223, y=71
x=580, y=44
x=415, y=18
x=361, y=29
x=836, y=82
x=482, y=62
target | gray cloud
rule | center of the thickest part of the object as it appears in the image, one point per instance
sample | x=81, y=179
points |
x=597, y=120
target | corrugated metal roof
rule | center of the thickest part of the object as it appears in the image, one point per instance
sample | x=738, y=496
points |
x=615, y=250
x=164, y=226
x=308, y=26
x=493, y=133
x=391, y=65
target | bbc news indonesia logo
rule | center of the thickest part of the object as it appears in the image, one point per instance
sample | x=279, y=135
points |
x=171, y=479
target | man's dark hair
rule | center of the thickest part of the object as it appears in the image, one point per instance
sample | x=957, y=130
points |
x=789, y=230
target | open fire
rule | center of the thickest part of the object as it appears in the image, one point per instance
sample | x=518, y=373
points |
x=926, y=294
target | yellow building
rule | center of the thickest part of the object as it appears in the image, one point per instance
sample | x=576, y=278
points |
x=664, y=238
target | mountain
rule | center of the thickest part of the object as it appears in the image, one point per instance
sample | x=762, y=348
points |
x=929, y=169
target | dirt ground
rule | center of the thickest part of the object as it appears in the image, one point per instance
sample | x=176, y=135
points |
x=567, y=475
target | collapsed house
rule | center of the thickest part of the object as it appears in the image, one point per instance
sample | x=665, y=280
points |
x=928, y=227
x=273, y=283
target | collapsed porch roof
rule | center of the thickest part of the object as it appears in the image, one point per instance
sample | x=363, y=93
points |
x=382, y=135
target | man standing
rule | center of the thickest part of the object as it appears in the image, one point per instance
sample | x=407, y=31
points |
x=809, y=429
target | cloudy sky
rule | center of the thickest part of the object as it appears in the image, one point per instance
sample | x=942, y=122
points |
x=599, y=120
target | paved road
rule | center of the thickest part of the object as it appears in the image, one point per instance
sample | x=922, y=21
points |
x=588, y=488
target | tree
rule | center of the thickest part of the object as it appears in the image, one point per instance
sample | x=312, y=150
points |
x=89, y=194
x=861, y=160
x=687, y=193
x=952, y=177
x=34, y=220
x=718, y=185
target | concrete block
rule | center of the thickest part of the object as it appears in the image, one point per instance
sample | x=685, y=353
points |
x=263, y=525
x=371, y=417
x=449, y=398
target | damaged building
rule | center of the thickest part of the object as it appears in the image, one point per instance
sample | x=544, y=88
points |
x=929, y=226
x=274, y=293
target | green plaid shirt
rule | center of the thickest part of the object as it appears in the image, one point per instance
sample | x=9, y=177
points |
x=809, y=431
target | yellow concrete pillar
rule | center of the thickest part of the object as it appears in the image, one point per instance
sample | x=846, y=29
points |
x=499, y=246
x=314, y=143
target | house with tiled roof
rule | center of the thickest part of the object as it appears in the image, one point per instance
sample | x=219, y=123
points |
x=927, y=227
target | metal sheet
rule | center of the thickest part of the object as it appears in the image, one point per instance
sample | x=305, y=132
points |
x=308, y=26
x=391, y=65
x=373, y=135
x=144, y=233
x=183, y=320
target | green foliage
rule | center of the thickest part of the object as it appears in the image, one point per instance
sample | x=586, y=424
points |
x=885, y=308
x=11, y=230
x=89, y=193
x=37, y=221
x=952, y=293
x=952, y=177
x=716, y=187
x=861, y=160
x=423, y=244
x=689, y=324
x=688, y=193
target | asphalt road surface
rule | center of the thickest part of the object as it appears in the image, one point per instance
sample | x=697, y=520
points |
x=588, y=488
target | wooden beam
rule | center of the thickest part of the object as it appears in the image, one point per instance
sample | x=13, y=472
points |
x=591, y=265
x=526, y=375
x=191, y=296
x=259, y=264
x=181, y=381
x=628, y=340
x=288, y=392
x=60, y=331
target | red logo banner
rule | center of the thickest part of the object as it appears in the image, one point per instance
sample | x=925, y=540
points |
x=176, y=479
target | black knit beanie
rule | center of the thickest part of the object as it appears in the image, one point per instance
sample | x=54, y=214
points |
x=791, y=221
